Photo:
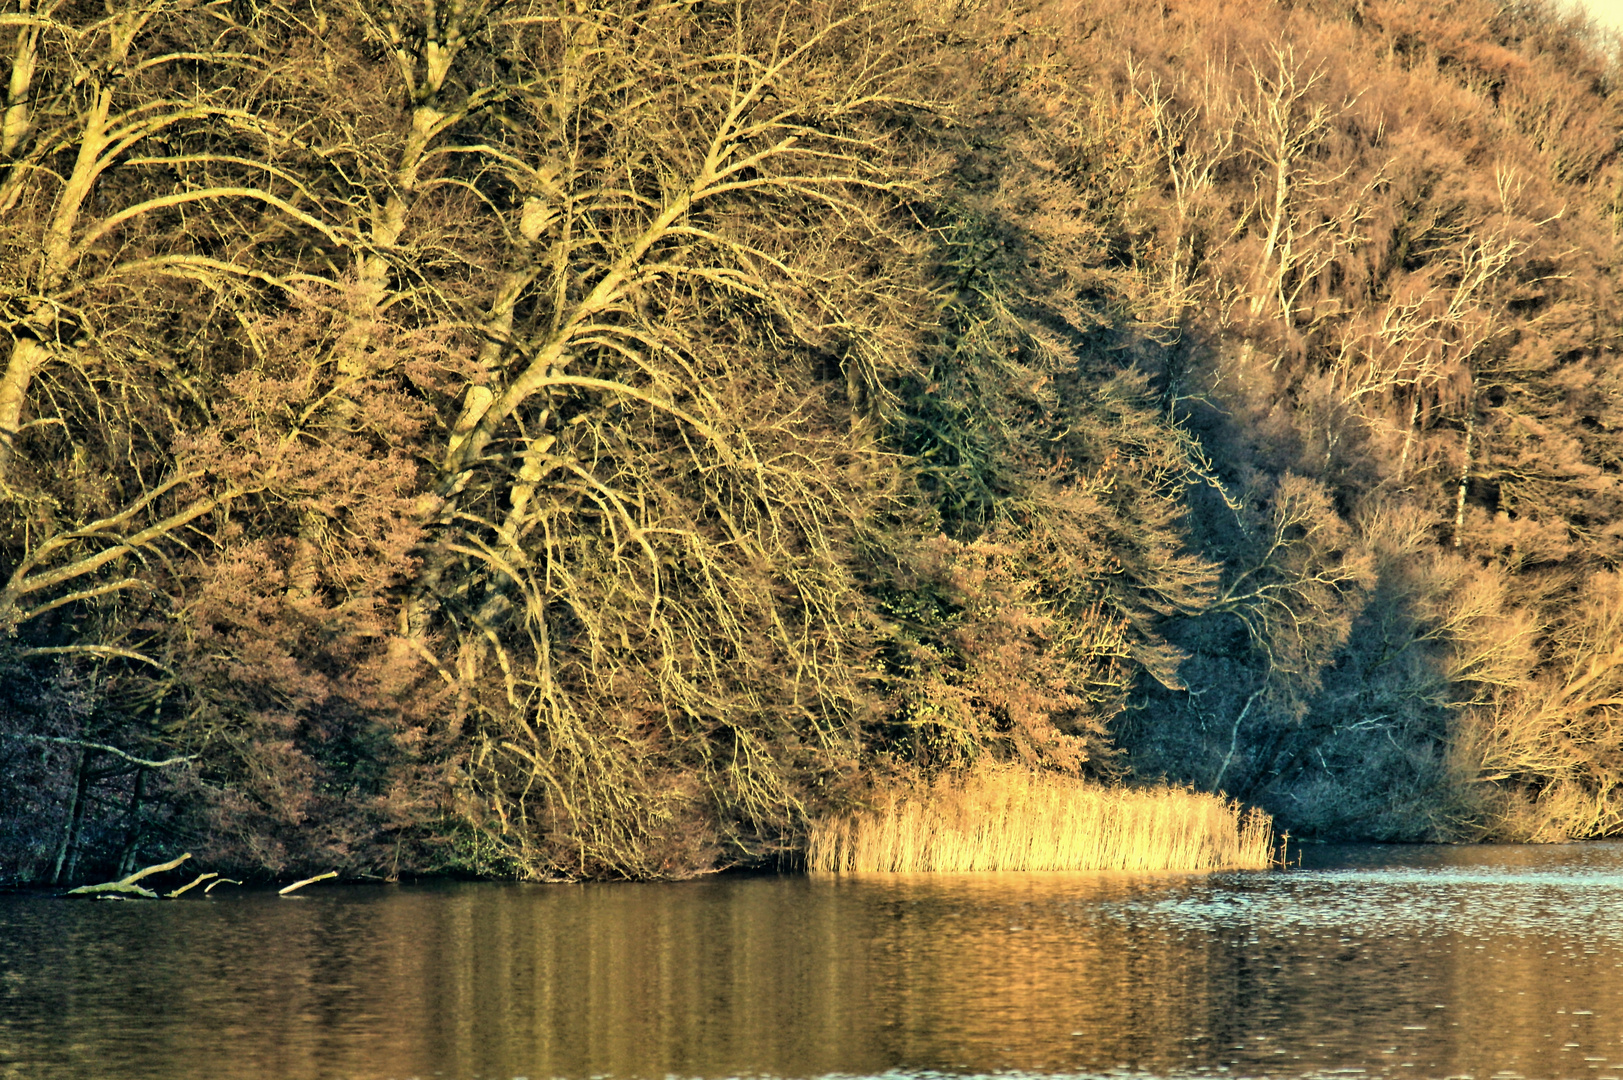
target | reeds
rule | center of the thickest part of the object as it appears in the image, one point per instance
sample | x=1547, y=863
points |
x=1009, y=818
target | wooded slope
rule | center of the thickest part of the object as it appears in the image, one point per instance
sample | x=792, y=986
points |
x=560, y=439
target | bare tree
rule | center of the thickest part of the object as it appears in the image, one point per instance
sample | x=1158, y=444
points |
x=1307, y=218
x=633, y=527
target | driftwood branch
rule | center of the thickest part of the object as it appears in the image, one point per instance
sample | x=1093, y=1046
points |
x=128, y=885
x=113, y=887
x=158, y=869
x=307, y=881
x=196, y=881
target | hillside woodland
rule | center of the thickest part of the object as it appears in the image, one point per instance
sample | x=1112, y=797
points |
x=597, y=438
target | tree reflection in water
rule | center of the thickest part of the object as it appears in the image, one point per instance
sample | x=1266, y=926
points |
x=1419, y=961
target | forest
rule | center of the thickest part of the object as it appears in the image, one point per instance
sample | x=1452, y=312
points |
x=565, y=439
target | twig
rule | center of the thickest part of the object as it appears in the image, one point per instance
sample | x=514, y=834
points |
x=306, y=881
x=223, y=881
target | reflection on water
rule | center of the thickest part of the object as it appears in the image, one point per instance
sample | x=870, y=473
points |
x=1375, y=961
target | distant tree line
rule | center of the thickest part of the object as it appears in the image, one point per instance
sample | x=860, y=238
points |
x=593, y=438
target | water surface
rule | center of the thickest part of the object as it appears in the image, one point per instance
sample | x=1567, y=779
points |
x=1429, y=962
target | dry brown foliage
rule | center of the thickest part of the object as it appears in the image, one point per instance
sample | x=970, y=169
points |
x=565, y=440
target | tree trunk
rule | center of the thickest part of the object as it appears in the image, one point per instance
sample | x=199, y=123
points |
x=26, y=357
x=1409, y=435
x=132, y=834
x=1465, y=476
x=1234, y=737
x=76, y=809
x=16, y=121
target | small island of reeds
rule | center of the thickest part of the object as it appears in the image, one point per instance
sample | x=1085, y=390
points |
x=1010, y=818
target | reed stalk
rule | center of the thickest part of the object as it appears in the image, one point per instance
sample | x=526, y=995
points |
x=1008, y=818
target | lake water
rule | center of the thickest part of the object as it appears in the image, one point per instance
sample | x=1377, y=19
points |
x=1372, y=961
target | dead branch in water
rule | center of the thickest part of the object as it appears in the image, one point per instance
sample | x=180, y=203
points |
x=196, y=881
x=307, y=881
x=128, y=884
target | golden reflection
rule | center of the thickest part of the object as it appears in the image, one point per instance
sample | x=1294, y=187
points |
x=1283, y=974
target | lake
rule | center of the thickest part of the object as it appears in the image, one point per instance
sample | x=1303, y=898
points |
x=1365, y=961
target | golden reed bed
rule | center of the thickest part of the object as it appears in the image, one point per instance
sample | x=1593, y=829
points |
x=1011, y=819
